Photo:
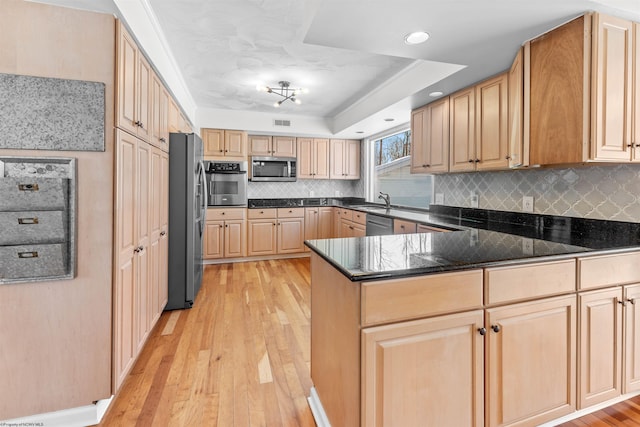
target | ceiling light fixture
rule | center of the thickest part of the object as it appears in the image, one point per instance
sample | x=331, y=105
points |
x=389, y=120
x=283, y=91
x=416, y=37
x=436, y=93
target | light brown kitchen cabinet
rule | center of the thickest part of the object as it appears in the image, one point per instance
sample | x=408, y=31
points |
x=318, y=223
x=344, y=159
x=225, y=233
x=631, y=357
x=224, y=143
x=262, y=236
x=313, y=158
x=160, y=114
x=276, y=231
x=446, y=351
x=421, y=228
x=462, y=155
x=284, y=146
x=518, y=156
x=260, y=145
x=492, y=126
x=403, y=227
x=352, y=223
x=276, y=146
x=430, y=138
x=290, y=230
x=173, y=116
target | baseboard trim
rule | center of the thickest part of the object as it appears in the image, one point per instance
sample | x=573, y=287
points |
x=256, y=258
x=317, y=410
x=81, y=416
x=589, y=410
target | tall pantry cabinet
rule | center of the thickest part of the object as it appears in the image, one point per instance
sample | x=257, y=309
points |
x=141, y=204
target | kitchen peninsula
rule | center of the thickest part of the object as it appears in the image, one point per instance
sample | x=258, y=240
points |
x=471, y=327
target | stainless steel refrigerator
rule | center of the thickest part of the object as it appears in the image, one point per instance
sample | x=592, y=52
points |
x=187, y=214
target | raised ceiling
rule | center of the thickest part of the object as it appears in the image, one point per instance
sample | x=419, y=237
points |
x=349, y=53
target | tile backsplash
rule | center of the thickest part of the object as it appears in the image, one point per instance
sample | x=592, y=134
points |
x=598, y=192
x=304, y=188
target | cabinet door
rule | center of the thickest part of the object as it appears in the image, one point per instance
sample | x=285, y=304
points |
x=284, y=146
x=127, y=84
x=635, y=155
x=492, y=123
x=413, y=373
x=531, y=353
x=516, y=112
x=462, y=156
x=174, y=116
x=631, y=374
x=321, y=158
x=337, y=160
x=213, y=141
x=325, y=223
x=154, y=124
x=164, y=237
x=305, y=158
x=352, y=159
x=418, y=141
x=600, y=346
x=143, y=217
x=437, y=136
x=234, y=239
x=213, y=239
x=346, y=228
x=235, y=142
x=290, y=235
x=612, y=86
x=260, y=145
x=358, y=230
x=403, y=227
x=163, y=117
x=311, y=218
x=262, y=237
x=337, y=223
x=143, y=79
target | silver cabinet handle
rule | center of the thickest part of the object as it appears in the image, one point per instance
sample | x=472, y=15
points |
x=27, y=221
x=33, y=254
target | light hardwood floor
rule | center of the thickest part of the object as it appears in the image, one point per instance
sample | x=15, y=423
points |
x=239, y=357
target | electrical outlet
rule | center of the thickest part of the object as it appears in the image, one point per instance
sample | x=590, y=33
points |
x=337, y=193
x=473, y=201
x=312, y=193
x=527, y=204
x=527, y=246
x=439, y=199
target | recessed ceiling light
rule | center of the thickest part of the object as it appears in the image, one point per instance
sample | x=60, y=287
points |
x=436, y=93
x=359, y=131
x=416, y=37
x=389, y=120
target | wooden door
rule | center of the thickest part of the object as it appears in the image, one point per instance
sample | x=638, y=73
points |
x=164, y=237
x=144, y=78
x=492, y=123
x=403, y=227
x=284, y=146
x=418, y=141
x=213, y=239
x=234, y=239
x=337, y=223
x=612, y=86
x=213, y=142
x=156, y=99
x=437, y=136
x=337, y=159
x=531, y=353
x=174, y=117
x=143, y=217
x=290, y=235
x=516, y=112
x=325, y=223
x=311, y=223
x=305, y=166
x=462, y=155
x=426, y=372
x=235, y=142
x=352, y=159
x=600, y=350
x=126, y=101
x=155, y=223
x=163, y=117
x=260, y=145
x=631, y=367
x=321, y=158
x=635, y=155
x=262, y=237
x=346, y=228
x=358, y=230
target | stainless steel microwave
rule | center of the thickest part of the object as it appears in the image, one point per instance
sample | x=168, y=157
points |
x=264, y=168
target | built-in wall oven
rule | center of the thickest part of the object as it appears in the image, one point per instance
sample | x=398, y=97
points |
x=227, y=183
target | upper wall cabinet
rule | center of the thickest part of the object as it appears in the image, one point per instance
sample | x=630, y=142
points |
x=345, y=159
x=430, y=133
x=518, y=157
x=313, y=158
x=277, y=146
x=579, y=93
x=224, y=143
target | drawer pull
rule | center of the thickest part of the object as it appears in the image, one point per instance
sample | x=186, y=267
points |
x=33, y=254
x=27, y=221
x=28, y=187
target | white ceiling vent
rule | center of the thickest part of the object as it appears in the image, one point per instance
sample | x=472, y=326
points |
x=286, y=123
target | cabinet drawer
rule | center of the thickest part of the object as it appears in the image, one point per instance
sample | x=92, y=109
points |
x=33, y=261
x=261, y=213
x=517, y=283
x=415, y=297
x=224, y=214
x=359, y=217
x=599, y=271
x=290, y=212
x=23, y=194
x=32, y=227
x=346, y=214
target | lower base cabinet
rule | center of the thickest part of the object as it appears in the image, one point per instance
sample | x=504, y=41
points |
x=225, y=233
x=276, y=231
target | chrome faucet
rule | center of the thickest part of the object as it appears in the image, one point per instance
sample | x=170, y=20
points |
x=386, y=198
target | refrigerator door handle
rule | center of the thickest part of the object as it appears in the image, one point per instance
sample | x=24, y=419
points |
x=203, y=182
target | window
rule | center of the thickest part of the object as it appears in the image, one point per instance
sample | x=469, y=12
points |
x=389, y=171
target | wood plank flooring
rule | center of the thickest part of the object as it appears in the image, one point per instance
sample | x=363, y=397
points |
x=240, y=357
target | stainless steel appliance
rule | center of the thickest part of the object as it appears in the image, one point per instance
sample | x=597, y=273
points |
x=379, y=225
x=273, y=168
x=187, y=214
x=227, y=183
